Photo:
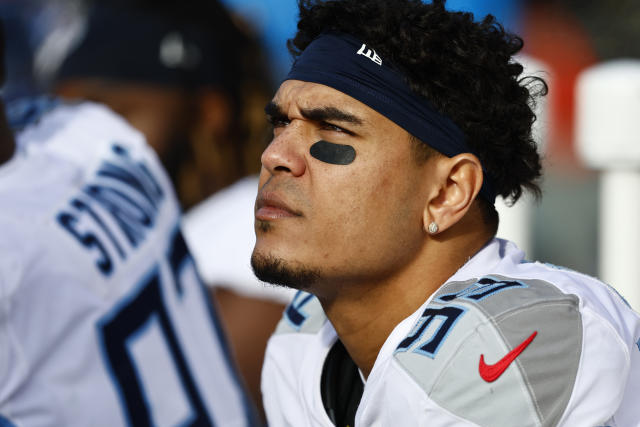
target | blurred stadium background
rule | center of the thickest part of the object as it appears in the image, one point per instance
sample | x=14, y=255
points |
x=566, y=36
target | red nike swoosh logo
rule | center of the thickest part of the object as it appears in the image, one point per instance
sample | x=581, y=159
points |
x=490, y=373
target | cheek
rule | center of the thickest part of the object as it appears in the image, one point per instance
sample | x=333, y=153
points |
x=363, y=188
x=377, y=192
x=369, y=231
x=377, y=200
x=356, y=206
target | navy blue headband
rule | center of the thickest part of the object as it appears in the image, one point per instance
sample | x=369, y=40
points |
x=346, y=64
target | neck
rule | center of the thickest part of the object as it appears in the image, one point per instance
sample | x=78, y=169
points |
x=7, y=143
x=364, y=314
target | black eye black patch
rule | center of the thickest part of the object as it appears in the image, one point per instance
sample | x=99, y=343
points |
x=335, y=154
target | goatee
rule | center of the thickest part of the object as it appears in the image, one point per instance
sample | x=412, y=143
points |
x=276, y=271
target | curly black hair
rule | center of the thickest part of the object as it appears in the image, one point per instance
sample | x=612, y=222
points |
x=465, y=68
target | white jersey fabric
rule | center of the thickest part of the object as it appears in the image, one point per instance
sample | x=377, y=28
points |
x=563, y=349
x=103, y=320
x=219, y=232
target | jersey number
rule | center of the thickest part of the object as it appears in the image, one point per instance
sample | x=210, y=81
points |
x=130, y=322
x=294, y=313
x=429, y=345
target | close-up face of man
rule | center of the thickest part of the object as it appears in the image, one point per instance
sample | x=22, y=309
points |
x=341, y=193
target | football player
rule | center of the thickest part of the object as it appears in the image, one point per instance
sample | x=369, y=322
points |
x=397, y=126
x=103, y=318
x=192, y=82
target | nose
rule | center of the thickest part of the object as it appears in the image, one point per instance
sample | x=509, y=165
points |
x=285, y=153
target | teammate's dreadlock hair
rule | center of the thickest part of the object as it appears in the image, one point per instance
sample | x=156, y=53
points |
x=463, y=67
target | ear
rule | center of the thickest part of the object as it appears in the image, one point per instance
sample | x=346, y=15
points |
x=457, y=183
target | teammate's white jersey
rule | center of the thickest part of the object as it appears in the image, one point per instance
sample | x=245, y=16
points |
x=103, y=320
x=219, y=232
x=503, y=343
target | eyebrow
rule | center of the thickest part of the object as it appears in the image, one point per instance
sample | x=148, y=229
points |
x=272, y=109
x=321, y=114
x=324, y=114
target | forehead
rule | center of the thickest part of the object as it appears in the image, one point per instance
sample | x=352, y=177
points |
x=295, y=95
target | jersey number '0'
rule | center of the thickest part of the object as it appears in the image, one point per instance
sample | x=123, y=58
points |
x=140, y=318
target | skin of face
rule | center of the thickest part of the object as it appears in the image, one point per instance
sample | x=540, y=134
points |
x=350, y=223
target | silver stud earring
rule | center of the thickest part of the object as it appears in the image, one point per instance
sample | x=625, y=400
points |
x=433, y=228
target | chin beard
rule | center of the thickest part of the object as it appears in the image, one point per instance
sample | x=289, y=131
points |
x=276, y=271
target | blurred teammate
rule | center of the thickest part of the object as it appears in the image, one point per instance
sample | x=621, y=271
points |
x=103, y=320
x=183, y=74
x=195, y=84
x=395, y=129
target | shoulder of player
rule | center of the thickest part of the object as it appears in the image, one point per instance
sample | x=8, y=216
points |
x=590, y=290
x=74, y=127
x=520, y=341
x=303, y=315
x=60, y=145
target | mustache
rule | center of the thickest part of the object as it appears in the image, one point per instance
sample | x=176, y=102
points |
x=281, y=195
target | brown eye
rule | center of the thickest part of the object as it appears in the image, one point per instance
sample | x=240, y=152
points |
x=278, y=121
x=333, y=128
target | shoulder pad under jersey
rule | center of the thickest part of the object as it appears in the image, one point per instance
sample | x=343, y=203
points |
x=497, y=342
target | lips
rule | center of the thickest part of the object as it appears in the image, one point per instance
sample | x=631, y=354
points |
x=270, y=207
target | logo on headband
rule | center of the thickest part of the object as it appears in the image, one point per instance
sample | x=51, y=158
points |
x=370, y=53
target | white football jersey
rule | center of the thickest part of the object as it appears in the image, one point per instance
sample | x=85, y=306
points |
x=103, y=319
x=219, y=233
x=504, y=342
